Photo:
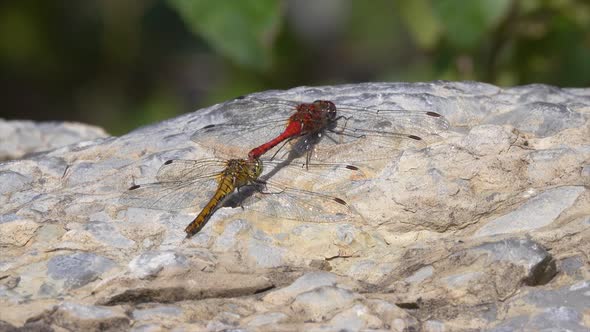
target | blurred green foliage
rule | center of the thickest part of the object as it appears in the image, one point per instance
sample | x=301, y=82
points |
x=241, y=30
x=123, y=63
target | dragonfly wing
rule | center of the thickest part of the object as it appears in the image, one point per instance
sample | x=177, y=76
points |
x=253, y=121
x=366, y=132
x=185, y=170
x=313, y=172
x=175, y=195
x=388, y=122
x=296, y=204
x=274, y=101
x=236, y=133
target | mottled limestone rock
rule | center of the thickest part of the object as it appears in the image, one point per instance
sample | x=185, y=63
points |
x=481, y=226
x=17, y=232
x=18, y=138
x=72, y=316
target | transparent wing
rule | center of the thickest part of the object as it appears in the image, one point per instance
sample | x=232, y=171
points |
x=380, y=121
x=275, y=101
x=394, y=123
x=175, y=195
x=282, y=202
x=253, y=122
x=314, y=176
x=190, y=170
x=362, y=136
x=191, y=183
x=181, y=184
x=279, y=192
x=256, y=121
x=185, y=170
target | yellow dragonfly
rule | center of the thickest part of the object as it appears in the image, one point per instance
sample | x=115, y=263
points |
x=190, y=183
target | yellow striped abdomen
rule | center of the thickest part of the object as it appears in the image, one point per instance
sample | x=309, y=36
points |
x=237, y=173
x=226, y=187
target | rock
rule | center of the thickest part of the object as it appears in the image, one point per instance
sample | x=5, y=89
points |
x=462, y=279
x=156, y=313
x=265, y=319
x=541, y=118
x=475, y=276
x=488, y=140
x=575, y=296
x=228, y=238
x=571, y=266
x=537, y=212
x=223, y=322
x=560, y=309
x=420, y=275
x=29, y=326
x=13, y=182
x=265, y=255
x=537, y=262
x=17, y=232
x=78, y=317
x=356, y=318
x=150, y=263
x=434, y=326
x=397, y=318
x=18, y=138
x=307, y=282
x=553, y=319
x=106, y=233
x=190, y=285
x=147, y=328
x=78, y=269
x=482, y=224
x=317, y=304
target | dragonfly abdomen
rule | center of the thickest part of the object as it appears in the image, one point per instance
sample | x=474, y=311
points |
x=226, y=187
x=292, y=130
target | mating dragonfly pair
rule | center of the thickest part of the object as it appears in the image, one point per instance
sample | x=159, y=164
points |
x=306, y=126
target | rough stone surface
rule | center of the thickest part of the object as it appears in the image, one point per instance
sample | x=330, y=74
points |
x=317, y=304
x=537, y=212
x=76, y=270
x=150, y=263
x=481, y=225
x=78, y=317
x=309, y=281
x=18, y=138
x=17, y=232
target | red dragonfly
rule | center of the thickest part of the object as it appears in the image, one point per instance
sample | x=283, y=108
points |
x=280, y=121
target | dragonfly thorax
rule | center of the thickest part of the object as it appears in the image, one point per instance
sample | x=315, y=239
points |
x=243, y=171
x=314, y=117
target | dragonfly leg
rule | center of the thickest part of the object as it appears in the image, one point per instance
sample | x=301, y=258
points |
x=346, y=118
x=331, y=138
x=342, y=130
x=239, y=202
x=263, y=188
x=308, y=157
x=349, y=133
x=280, y=148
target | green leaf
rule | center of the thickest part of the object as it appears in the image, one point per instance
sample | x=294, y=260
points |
x=467, y=22
x=421, y=22
x=243, y=30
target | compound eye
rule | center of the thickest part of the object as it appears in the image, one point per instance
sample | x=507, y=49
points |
x=331, y=108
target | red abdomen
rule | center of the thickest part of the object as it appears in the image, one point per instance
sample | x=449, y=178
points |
x=305, y=121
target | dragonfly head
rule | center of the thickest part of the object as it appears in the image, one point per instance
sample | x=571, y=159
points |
x=326, y=107
x=255, y=168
